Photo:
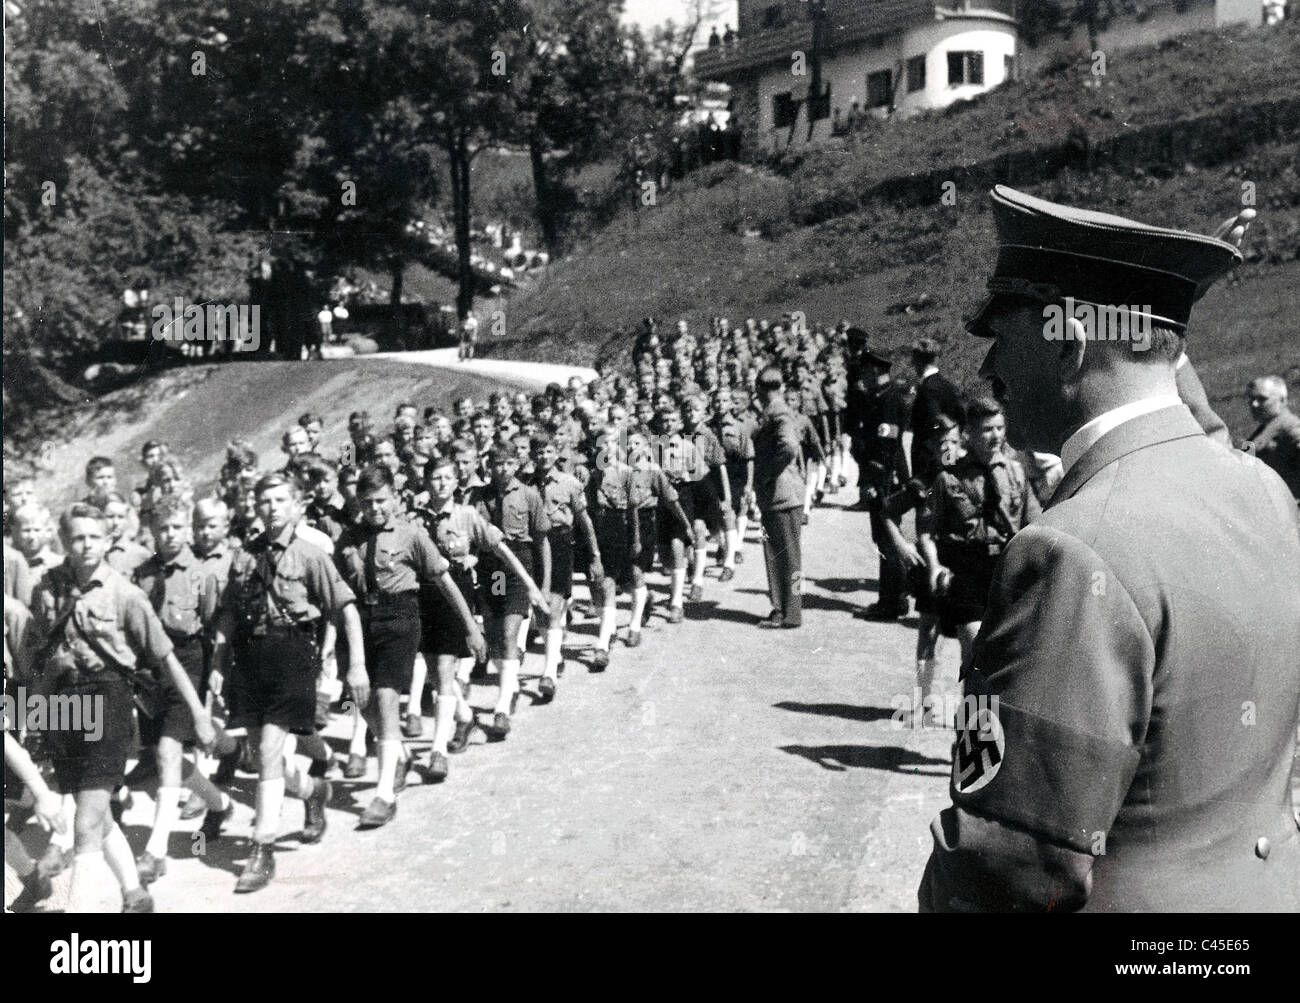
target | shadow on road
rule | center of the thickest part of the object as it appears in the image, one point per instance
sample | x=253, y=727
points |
x=840, y=758
x=847, y=584
x=844, y=710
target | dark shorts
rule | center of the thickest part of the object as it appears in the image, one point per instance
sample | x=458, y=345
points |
x=391, y=629
x=707, y=501
x=94, y=758
x=918, y=583
x=501, y=593
x=736, y=479
x=613, y=537
x=175, y=720
x=668, y=528
x=442, y=632
x=561, y=540
x=967, y=597
x=275, y=681
x=648, y=519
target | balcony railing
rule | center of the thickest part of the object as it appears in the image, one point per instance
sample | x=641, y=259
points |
x=845, y=22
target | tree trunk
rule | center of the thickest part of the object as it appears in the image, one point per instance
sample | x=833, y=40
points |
x=542, y=190
x=459, y=161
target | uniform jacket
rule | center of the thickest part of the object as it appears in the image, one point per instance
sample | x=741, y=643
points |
x=1142, y=640
x=1277, y=443
x=778, y=460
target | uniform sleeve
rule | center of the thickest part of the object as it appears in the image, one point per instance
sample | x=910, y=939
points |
x=746, y=446
x=144, y=631
x=663, y=488
x=326, y=588
x=485, y=535
x=578, y=497
x=18, y=576
x=713, y=453
x=429, y=563
x=1057, y=708
x=538, y=522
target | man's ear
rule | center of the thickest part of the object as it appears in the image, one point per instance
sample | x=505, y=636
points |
x=1069, y=361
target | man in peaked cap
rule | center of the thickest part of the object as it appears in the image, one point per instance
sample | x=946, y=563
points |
x=1130, y=713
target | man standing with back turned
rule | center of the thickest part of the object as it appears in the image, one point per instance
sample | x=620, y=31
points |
x=779, y=488
x=1141, y=638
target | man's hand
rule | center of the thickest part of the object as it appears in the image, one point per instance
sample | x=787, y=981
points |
x=215, y=682
x=477, y=645
x=359, y=683
x=939, y=578
x=49, y=811
x=597, y=570
x=205, y=731
x=1233, y=229
x=539, y=602
x=910, y=556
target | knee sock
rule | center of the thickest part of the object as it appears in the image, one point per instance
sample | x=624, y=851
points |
x=522, y=640
x=167, y=812
x=444, y=720
x=94, y=888
x=608, y=613
x=730, y=543
x=640, y=595
x=117, y=852
x=554, y=644
x=697, y=572
x=270, y=796
x=418, y=676
x=390, y=756
x=742, y=524
x=357, y=747
x=509, y=684
x=679, y=585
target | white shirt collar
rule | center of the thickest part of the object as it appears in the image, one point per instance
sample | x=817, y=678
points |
x=1087, y=435
x=929, y=371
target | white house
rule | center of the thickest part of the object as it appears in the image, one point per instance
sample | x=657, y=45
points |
x=881, y=57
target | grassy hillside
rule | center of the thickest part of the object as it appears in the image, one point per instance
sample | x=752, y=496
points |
x=198, y=409
x=734, y=240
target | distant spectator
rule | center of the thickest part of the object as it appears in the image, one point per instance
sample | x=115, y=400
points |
x=714, y=40
x=1276, y=439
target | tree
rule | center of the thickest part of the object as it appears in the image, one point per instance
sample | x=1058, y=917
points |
x=573, y=83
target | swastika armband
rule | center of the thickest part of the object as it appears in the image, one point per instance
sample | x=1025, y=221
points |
x=1041, y=775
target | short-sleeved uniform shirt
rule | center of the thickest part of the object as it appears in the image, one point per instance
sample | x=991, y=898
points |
x=970, y=503
x=681, y=461
x=303, y=578
x=125, y=556
x=710, y=451
x=17, y=619
x=737, y=446
x=518, y=512
x=216, y=561
x=391, y=559
x=181, y=591
x=650, y=487
x=18, y=576
x=460, y=531
x=109, y=613
x=562, y=497
x=610, y=487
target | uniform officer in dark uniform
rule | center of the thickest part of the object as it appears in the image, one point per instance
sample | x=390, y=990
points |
x=935, y=395
x=877, y=437
x=1140, y=638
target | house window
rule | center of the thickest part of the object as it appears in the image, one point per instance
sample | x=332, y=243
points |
x=965, y=68
x=821, y=106
x=880, y=89
x=773, y=16
x=916, y=74
x=783, y=110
